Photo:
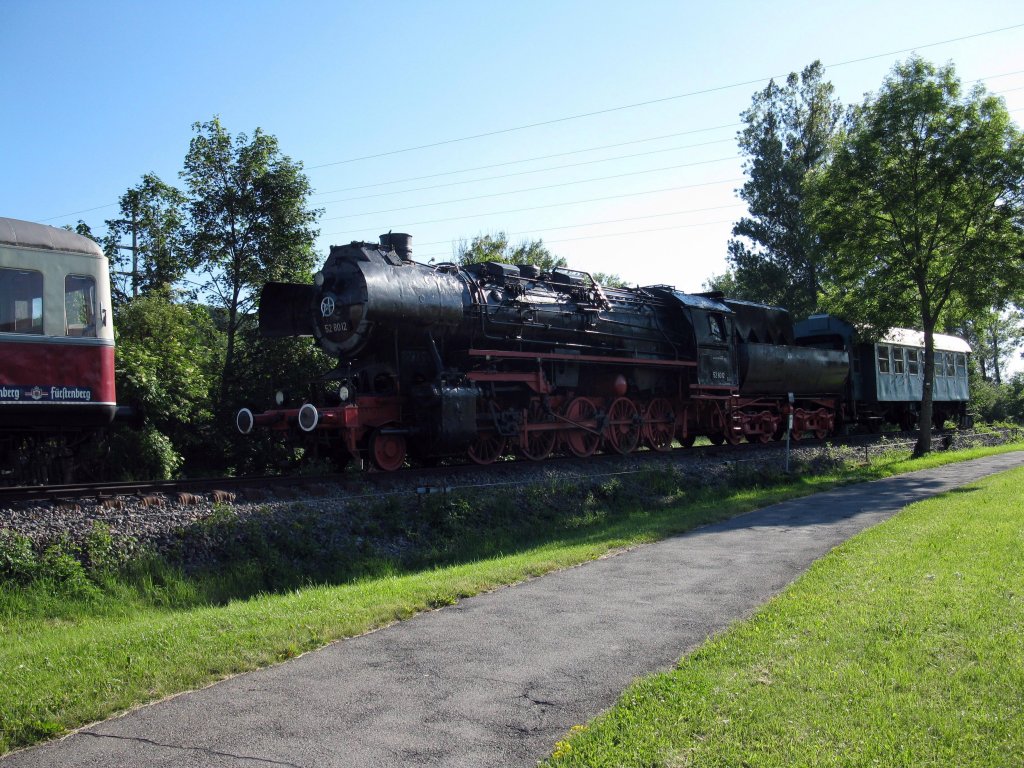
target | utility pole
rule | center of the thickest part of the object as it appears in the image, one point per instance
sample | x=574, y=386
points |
x=134, y=248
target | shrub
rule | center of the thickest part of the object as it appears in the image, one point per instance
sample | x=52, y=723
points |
x=137, y=454
x=99, y=551
x=18, y=562
x=64, y=572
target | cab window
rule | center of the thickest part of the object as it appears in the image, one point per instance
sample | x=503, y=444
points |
x=715, y=330
x=80, y=305
x=709, y=328
x=21, y=301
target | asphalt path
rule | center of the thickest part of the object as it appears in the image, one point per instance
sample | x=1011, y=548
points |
x=497, y=679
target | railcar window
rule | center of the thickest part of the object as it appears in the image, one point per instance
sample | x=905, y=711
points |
x=913, y=362
x=898, y=363
x=21, y=301
x=961, y=365
x=940, y=364
x=80, y=305
x=950, y=365
x=883, y=358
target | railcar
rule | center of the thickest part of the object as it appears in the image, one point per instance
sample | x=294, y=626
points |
x=887, y=376
x=495, y=358
x=56, y=343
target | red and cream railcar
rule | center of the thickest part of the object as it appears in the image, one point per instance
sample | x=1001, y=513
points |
x=56, y=333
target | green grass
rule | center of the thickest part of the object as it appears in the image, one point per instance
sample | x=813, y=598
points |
x=903, y=647
x=90, y=643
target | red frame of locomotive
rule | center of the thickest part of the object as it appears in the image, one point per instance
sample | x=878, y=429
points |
x=578, y=423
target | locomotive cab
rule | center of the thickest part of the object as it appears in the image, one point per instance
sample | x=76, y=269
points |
x=709, y=324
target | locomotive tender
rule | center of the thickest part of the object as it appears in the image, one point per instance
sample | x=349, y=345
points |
x=56, y=341
x=440, y=360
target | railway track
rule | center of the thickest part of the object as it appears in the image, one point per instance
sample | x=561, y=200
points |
x=107, y=490
x=446, y=474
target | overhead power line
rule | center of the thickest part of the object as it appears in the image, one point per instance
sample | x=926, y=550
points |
x=649, y=102
x=607, y=111
x=612, y=234
x=536, y=207
x=527, y=173
x=607, y=221
x=530, y=159
x=534, y=189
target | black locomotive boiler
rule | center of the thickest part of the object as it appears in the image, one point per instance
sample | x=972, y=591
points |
x=441, y=360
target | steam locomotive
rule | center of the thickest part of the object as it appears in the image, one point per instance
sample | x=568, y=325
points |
x=492, y=358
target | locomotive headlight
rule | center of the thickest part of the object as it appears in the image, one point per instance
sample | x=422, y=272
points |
x=279, y=397
x=344, y=393
x=318, y=279
x=245, y=421
x=308, y=418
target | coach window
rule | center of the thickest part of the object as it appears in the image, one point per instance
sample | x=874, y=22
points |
x=961, y=365
x=913, y=362
x=940, y=364
x=80, y=305
x=883, y=358
x=21, y=301
x=898, y=366
x=950, y=365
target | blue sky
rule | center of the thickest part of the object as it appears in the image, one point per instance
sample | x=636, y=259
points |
x=98, y=93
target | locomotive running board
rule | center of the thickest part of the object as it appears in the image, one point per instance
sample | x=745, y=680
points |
x=499, y=354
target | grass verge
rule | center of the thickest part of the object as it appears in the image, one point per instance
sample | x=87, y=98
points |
x=904, y=646
x=81, y=642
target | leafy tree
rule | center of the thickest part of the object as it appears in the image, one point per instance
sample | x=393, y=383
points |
x=153, y=218
x=609, y=279
x=249, y=223
x=922, y=209
x=497, y=248
x=168, y=359
x=82, y=229
x=725, y=283
x=774, y=253
x=995, y=336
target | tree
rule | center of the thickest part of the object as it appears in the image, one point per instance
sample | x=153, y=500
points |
x=787, y=135
x=153, y=217
x=497, y=248
x=609, y=279
x=922, y=208
x=725, y=283
x=168, y=359
x=249, y=222
x=995, y=336
x=83, y=229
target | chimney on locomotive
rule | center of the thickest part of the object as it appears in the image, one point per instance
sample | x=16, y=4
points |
x=400, y=241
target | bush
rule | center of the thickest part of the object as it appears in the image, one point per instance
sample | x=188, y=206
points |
x=65, y=574
x=143, y=454
x=100, y=552
x=18, y=561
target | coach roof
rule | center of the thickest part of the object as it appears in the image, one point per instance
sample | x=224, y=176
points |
x=27, y=234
